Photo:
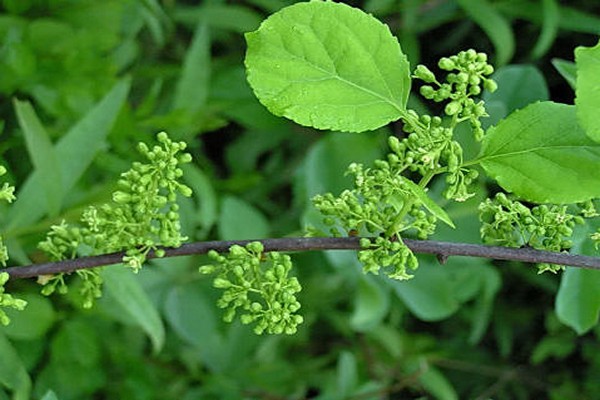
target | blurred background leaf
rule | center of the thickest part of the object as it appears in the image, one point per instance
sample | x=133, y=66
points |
x=101, y=76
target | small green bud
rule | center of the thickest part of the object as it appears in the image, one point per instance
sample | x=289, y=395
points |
x=446, y=64
x=490, y=85
x=452, y=108
x=427, y=91
x=121, y=197
x=424, y=74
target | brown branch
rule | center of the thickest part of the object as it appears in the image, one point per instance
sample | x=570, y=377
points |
x=440, y=249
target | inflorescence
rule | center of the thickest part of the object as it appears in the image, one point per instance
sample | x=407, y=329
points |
x=143, y=216
x=384, y=202
x=7, y=300
x=259, y=285
x=508, y=222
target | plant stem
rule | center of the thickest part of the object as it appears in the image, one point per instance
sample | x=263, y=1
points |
x=441, y=249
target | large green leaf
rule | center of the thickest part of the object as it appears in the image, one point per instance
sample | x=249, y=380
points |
x=587, y=101
x=42, y=154
x=329, y=66
x=125, y=288
x=75, y=150
x=578, y=299
x=542, y=155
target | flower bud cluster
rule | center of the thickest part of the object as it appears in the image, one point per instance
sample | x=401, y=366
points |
x=258, y=284
x=6, y=194
x=510, y=223
x=379, y=204
x=6, y=300
x=391, y=254
x=467, y=77
x=143, y=216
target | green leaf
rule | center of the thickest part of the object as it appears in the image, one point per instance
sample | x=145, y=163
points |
x=42, y=154
x=587, y=97
x=429, y=295
x=206, y=207
x=192, y=317
x=518, y=86
x=578, y=299
x=231, y=17
x=50, y=395
x=347, y=375
x=494, y=25
x=33, y=322
x=193, y=84
x=240, y=220
x=542, y=155
x=550, y=20
x=437, y=384
x=567, y=69
x=76, y=150
x=329, y=66
x=129, y=294
x=371, y=304
x=431, y=205
x=13, y=374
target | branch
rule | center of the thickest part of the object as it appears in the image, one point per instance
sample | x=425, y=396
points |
x=441, y=249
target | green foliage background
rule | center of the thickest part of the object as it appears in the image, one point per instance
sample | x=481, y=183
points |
x=100, y=76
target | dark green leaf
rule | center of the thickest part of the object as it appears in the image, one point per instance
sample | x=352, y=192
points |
x=76, y=150
x=192, y=87
x=13, y=374
x=240, y=220
x=129, y=294
x=578, y=299
x=33, y=322
x=371, y=304
x=494, y=25
x=42, y=154
x=550, y=20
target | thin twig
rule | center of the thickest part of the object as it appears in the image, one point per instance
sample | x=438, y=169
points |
x=440, y=249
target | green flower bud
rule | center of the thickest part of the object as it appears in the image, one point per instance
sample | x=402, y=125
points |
x=423, y=73
x=452, y=108
x=446, y=64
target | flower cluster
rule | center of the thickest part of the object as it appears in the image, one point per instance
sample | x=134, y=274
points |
x=7, y=300
x=259, y=284
x=382, y=203
x=143, y=216
x=510, y=223
x=6, y=194
x=468, y=73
